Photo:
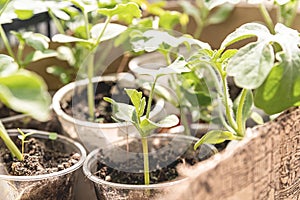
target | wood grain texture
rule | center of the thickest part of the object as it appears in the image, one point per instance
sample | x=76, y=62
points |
x=263, y=166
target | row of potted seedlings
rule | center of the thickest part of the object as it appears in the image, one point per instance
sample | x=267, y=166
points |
x=132, y=154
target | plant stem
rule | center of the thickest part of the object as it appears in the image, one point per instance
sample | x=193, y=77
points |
x=57, y=23
x=150, y=98
x=228, y=108
x=20, y=53
x=267, y=17
x=168, y=59
x=90, y=89
x=6, y=42
x=146, y=160
x=239, y=115
x=184, y=122
x=91, y=96
x=90, y=72
x=4, y=36
x=9, y=143
x=103, y=30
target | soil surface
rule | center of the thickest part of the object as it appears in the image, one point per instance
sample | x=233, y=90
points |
x=27, y=122
x=161, y=174
x=6, y=112
x=39, y=158
x=103, y=109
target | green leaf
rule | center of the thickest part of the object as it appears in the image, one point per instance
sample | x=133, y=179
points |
x=216, y=137
x=85, y=6
x=220, y=15
x=169, y=19
x=147, y=125
x=8, y=65
x=137, y=100
x=26, y=92
x=61, y=38
x=36, y=40
x=281, y=88
x=247, y=31
x=61, y=14
x=177, y=67
x=126, y=11
x=152, y=40
x=39, y=55
x=123, y=111
x=24, y=14
x=112, y=30
x=251, y=65
x=66, y=53
x=53, y=136
x=257, y=118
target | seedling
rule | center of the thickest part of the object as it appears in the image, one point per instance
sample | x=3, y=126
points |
x=191, y=92
x=95, y=34
x=134, y=113
x=267, y=70
x=23, y=136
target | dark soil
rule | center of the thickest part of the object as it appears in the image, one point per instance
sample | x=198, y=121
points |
x=6, y=112
x=103, y=109
x=38, y=160
x=160, y=175
x=27, y=122
x=41, y=158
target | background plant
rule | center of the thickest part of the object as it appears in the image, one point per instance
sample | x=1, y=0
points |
x=267, y=70
x=93, y=35
x=186, y=91
x=20, y=89
x=206, y=13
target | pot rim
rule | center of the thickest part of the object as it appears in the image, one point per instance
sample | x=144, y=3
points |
x=178, y=180
x=69, y=87
x=44, y=134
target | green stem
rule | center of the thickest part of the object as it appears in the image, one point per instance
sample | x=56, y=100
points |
x=184, y=122
x=90, y=89
x=150, y=98
x=20, y=53
x=228, y=108
x=6, y=42
x=9, y=143
x=167, y=58
x=102, y=32
x=146, y=160
x=267, y=17
x=57, y=23
x=239, y=115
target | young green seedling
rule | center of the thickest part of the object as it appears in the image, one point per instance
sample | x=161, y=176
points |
x=190, y=91
x=23, y=136
x=98, y=33
x=134, y=113
x=267, y=70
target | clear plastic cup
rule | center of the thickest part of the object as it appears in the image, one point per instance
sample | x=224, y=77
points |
x=56, y=185
x=174, y=144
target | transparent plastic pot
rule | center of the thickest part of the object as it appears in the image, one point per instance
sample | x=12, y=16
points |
x=56, y=185
x=173, y=144
x=93, y=134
